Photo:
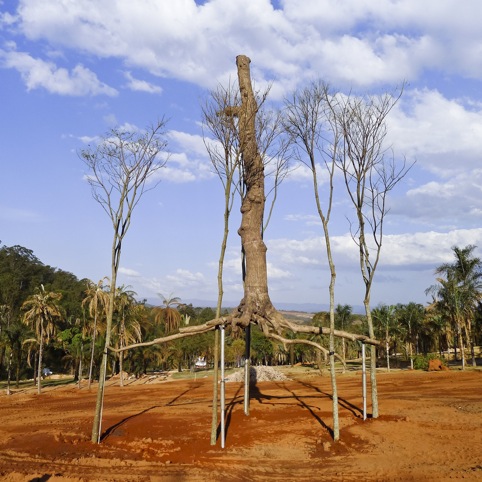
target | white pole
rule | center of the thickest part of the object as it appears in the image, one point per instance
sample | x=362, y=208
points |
x=364, y=382
x=223, y=393
x=246, y=386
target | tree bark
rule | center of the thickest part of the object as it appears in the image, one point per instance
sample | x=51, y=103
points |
x=256, y=304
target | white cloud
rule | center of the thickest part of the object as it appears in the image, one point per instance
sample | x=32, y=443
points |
x=298, y=41
x=407, y=251
x=442, y=134
x=275, y=273
x=131, y=273
x=184, y=278
x=175, y=175
x=188, y=160
x=38, y=73
x=141, y=85
x=192, y=143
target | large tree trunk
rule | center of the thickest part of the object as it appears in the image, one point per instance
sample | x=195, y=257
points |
x=256, y=304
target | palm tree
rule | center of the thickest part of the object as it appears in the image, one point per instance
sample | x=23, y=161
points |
x=168, y=313
x=42, y=310
x=410, y=318
x=342, y=316
x=459, y=291
x=128, y=329
x=96, y=300
x=383, y=315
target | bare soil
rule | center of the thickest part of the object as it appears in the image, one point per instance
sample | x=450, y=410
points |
x=430, y=429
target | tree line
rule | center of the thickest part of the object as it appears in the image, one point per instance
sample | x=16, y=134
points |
x=51, y=319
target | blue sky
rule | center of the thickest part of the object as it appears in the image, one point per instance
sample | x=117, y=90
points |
x=71, y=70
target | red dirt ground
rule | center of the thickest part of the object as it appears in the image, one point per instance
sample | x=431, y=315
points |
x=430, y=429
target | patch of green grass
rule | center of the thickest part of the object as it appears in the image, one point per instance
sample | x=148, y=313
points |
x=47, y=382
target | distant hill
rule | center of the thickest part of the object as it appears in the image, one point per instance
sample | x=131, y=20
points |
x=298, y=310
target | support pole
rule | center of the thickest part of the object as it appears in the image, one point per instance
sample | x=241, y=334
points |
x=364, y=382
x=247, y=369
x=223, y=392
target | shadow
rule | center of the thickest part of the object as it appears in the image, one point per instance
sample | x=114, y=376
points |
x=112, y=429
x=353, y=409
x=43, y=478
x=192, y=386
x=310, y=408
x=107, y=433
x=302, y=401
x=229, y=411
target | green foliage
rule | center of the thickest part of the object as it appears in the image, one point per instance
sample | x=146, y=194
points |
x=261, y=347
x=420, y=362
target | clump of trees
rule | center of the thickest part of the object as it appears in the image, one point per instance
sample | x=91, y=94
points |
x=50, y=318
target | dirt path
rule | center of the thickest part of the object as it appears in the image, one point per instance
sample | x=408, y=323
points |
x=430, y=430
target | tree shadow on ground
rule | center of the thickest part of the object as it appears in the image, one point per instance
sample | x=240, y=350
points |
x=311, y=408
x=110, y=431
x=256, y=393
x=353, y=409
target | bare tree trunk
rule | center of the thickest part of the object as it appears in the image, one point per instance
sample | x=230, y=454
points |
x=39, y=368
x=92, y=352
x=80, y=362
x=121, y=365
x=9, y=372
x=461, y=343
x=227, y=210
x=97, y=425
x=256, y=300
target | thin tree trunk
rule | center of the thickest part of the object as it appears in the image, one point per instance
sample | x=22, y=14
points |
x=214, y=421
x=96, y=428
x=373, y=361
x=9, y=371
x=80, y=362
x=39, y=369
x=35, y=370
x=343, y=351
x=387, y=349
x=121, y=366
x=92, y=351
x=461, y=344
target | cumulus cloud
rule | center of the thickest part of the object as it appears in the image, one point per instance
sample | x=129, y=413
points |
x=198, y=42
x=407, y=251
x=38, y=73
x=437, y=131
x=141, y=85
x=188, y=160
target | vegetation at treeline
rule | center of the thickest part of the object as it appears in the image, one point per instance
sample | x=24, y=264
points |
x=50, y=318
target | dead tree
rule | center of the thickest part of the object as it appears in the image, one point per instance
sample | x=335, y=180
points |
x=316, y=139
x=370, y=173
x=120, y=168
x=223, y=150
